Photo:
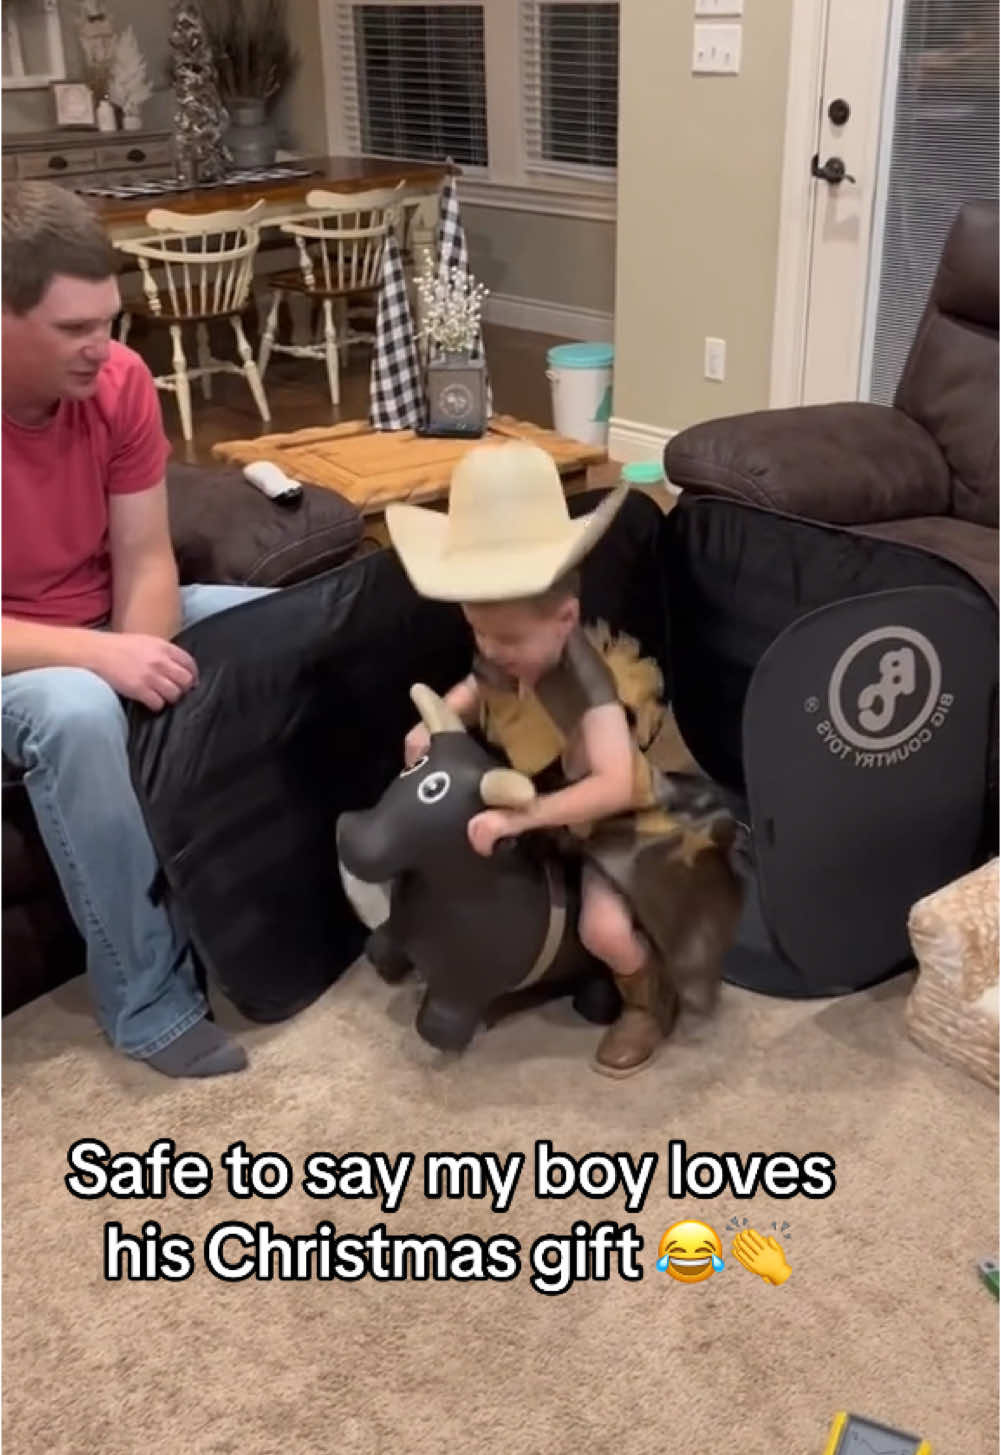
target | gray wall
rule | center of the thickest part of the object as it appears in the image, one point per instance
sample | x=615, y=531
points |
x=561, y=260
x=300, y=114
x=33, y=110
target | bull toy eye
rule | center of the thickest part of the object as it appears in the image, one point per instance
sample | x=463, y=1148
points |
x=434, y=787
x=414, y=767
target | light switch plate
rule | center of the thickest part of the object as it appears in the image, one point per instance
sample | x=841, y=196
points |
x=719, y=7
x=717, y=49
x=715, y=359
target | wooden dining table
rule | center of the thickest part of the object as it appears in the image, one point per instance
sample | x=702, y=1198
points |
x=285, y=197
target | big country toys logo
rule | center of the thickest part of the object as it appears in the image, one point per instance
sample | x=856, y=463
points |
x=884, y=698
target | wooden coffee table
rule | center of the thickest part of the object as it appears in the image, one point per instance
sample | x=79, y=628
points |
x=373, y=469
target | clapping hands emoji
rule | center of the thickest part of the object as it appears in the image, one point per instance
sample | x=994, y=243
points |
x=763, y=1256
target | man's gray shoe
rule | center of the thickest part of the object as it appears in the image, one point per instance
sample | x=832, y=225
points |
x=203, y=1050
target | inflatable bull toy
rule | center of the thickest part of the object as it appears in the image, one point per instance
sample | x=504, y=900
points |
x=486, y=935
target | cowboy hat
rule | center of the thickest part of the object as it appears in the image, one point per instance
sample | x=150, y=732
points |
x=507, y=533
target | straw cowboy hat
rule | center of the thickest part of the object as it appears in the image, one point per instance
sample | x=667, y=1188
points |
x=507, y=533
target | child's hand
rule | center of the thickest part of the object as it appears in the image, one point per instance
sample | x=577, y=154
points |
x=416, y=745
x=485, y=829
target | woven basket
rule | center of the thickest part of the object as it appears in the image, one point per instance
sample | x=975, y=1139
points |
x=953, y=1008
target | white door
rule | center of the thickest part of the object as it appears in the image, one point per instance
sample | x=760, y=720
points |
x=891, y=124
x=837, y=65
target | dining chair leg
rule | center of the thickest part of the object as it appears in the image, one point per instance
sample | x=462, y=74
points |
x=205, y=360
x=343, y=322
x=182, y=382
x=124, y=324
x=250, y=369
x=330, y=342
x=268, y=336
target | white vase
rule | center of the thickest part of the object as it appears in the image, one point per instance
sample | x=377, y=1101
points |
x=132, y=121
x=106, y=116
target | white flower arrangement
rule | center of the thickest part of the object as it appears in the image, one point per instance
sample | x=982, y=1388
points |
x=451, y=308
x=97, y=42
x=129, y=86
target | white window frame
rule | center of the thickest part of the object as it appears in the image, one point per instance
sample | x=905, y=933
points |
x=17, y=79
x=510, y=181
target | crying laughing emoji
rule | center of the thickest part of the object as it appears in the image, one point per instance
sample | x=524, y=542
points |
x=690, y=1252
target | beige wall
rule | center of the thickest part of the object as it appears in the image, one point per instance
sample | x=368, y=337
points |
x=700, y=165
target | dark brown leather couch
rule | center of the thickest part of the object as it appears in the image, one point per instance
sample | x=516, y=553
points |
x=224, y=531
x=923, y=473
x=814, y=553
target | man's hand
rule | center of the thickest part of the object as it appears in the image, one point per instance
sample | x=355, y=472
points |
x=148, y=669
x=763, y=1256
x=485, y=829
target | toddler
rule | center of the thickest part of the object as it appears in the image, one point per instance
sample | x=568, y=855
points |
x=551, y=695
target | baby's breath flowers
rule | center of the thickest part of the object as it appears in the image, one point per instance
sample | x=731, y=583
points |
x=451, y=308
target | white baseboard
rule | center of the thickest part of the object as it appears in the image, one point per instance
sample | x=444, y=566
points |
x=629, y=441
x=535, y=315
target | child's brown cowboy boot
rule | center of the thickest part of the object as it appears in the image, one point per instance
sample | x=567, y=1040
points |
x=649, y=1010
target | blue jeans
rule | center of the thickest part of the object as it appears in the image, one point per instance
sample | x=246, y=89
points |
x=66, y=728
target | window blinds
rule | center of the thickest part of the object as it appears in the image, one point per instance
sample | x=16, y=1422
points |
x=570, y=84
x=414, y=81
x=944, y=152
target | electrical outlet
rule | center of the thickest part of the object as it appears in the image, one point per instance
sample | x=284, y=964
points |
x=717, y=49
x=715, y=366
x=719, y=7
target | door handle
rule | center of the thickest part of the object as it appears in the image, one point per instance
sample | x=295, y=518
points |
x=832, y=171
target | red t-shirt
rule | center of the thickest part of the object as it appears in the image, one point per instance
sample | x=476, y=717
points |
x=54, y=492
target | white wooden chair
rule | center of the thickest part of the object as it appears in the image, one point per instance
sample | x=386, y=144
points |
x=196, y=268
x=341, y=241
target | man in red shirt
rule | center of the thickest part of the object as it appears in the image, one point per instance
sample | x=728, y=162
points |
x=90, y=605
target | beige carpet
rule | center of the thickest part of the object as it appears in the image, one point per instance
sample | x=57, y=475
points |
x=883, y=1313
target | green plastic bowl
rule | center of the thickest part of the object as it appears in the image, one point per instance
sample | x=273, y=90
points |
x=643, y=472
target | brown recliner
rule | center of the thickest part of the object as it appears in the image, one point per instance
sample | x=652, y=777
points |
x=832, y=574
x=923, y=473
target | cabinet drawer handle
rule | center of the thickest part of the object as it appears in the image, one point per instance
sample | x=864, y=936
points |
x=58, y=164
x=136, y=155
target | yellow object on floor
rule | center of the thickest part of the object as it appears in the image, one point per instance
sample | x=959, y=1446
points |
x=852, y=1435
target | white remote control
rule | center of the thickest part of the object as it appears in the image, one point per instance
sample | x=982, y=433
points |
x=272, y=481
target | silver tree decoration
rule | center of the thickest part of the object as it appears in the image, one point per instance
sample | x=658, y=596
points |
x=199, y=118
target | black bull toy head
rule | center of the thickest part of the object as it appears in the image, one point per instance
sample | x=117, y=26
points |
x=485, y=934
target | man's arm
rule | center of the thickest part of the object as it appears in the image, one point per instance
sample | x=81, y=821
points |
x=145, y=596
x=34, y=644
x=151, y=670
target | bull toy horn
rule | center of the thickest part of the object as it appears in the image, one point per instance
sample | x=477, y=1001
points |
x=436, y=714
x=504, y=788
